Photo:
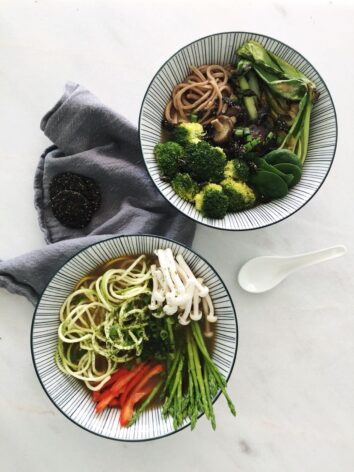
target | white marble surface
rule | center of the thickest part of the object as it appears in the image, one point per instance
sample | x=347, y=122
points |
x=293, y=379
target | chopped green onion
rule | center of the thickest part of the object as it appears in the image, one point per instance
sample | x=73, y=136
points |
x=239, y=132
x=193, y=118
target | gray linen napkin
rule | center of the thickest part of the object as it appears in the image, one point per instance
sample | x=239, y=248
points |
x=92, y=140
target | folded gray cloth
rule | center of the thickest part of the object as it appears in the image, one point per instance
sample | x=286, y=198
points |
x=92, y=140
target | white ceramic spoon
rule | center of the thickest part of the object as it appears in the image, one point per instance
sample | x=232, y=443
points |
x=264, y=273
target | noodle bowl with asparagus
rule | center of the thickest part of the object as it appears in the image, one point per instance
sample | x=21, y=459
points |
x=138, y=331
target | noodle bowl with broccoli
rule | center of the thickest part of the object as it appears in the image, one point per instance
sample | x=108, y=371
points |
x=236, y=135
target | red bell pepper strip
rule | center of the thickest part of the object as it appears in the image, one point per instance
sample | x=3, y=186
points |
x=116, y=388
x=97, y=394
x=114, y=403
x=114, y=377
x=138, y=393
x=134, y=381
x=127, y=411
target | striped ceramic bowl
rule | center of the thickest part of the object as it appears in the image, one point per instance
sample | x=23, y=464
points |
x=220, y=49
x=70, y=395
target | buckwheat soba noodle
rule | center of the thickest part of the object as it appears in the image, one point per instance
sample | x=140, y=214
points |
x=200, y=92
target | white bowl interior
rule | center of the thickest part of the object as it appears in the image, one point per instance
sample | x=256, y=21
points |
x=69, y=394
x=220, y=49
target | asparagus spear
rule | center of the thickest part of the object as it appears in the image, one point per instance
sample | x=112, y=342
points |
x=145, y=403
x=179, y=403
x=204, y=380
x=200, y=379
x=208, y=395
x=169, y=324
x=297, y=138
x=213, y=369
x=178, y=378
x=192, y=410
x=195, y=399
x=171, y=371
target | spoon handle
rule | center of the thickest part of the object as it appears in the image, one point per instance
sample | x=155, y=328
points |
x=310, y=258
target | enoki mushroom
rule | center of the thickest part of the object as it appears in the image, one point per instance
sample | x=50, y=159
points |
x=176, y=290
x=201, y=93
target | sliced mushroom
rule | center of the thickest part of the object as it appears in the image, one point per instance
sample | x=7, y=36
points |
x=210, y=316
x=223, y=126
x=203, y=291
x=164, y=264
x=180, y=300
x=208, y=333
x=174, y=274
x=188, y=306
x=157, y=296
x=196, y=314
x=170, y=309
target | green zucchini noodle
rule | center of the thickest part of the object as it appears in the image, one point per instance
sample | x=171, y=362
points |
x=103, y=321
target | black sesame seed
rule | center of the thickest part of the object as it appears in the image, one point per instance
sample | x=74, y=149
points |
x=72, y=209
x=71, y=195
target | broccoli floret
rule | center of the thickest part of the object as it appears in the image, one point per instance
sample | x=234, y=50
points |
x=240, y=195
x=212, y=202
x=185, y=186
x=188, y=133
x=204, y=162
x=237, y=169
x=167, y=155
